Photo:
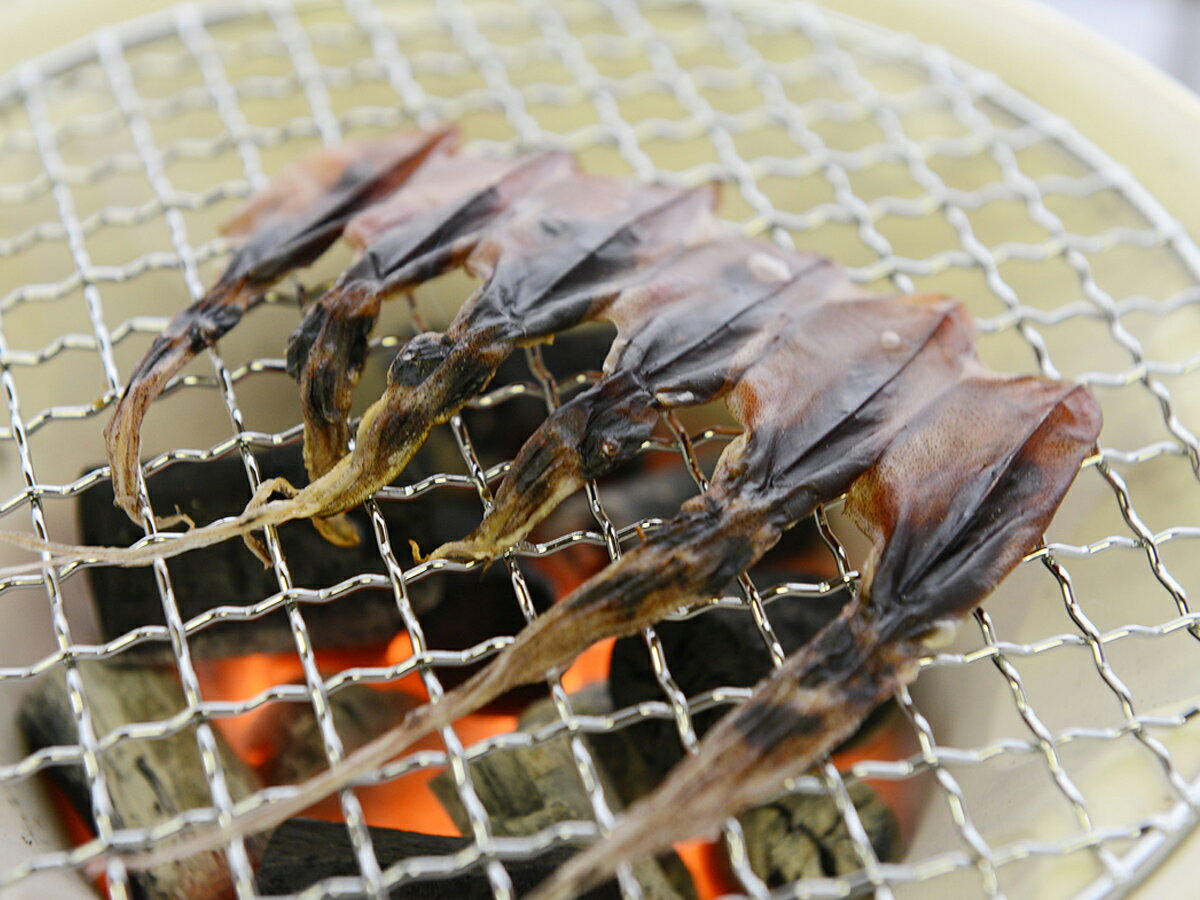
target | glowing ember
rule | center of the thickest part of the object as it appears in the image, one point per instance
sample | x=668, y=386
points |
x=407, y=802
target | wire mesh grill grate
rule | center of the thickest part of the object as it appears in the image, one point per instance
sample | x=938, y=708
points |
x=916, y=171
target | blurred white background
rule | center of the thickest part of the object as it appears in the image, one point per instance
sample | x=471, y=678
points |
x=1165, y=32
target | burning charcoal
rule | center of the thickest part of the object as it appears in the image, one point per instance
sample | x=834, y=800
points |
x=227, y=574
x=302, y=852
x=528, y=789
x=804, y=836
x=148, y=780
x=717, y=648
x=620, y=752
x=359, y=714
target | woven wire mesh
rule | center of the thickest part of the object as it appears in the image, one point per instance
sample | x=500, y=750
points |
x=1053, y=741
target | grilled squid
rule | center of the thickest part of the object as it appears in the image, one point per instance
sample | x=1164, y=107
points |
x=952, y=472
x=428, y=226
x=561, y=255
x=963, y=493
x=286, y=226
x=801, y=446
x=557, y=260
x=708, y=321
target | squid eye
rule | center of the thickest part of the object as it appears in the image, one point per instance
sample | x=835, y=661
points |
x=418, y=359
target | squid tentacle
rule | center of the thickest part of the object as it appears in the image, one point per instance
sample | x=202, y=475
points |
x=286, y=226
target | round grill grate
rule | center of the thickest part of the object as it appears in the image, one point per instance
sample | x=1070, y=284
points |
x=1056, y=740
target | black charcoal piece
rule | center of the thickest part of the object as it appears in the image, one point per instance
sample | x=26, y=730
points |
x=716, y=648
x=528, y=789
x=797, y=836
x=302, y=852
x=618, y=752
x=228, y=574
x=804, y=836
x=148, y=781
x=360, y=713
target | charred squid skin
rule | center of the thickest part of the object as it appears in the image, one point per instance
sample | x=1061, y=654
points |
x=585, y=438
x=287, y=226
x=426, y=386
x=327, y=381
x=948, y=515
x=525, y=300
x=189, y=333
x=545, y=470
x=429, y=233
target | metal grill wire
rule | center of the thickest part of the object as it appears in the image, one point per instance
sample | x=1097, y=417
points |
x=1056, y=249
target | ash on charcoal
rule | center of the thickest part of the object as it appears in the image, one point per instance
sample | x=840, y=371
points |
x=302, y=852
x=804, y=836
x=228, y=574
x=148, y=780
x=528, y=789
x=359, y=712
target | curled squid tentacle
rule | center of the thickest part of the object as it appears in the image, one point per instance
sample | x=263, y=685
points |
x=427, y=227
x=284, y=227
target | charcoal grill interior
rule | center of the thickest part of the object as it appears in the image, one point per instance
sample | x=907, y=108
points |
x=1053, y=743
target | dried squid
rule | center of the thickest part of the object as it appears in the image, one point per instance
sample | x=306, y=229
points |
x=715, y=318
x=801, y=446
x=953, y=472
x=428, y=226
x=561, y=255
x=961, y=493
x=964, y=492
x=282, y=228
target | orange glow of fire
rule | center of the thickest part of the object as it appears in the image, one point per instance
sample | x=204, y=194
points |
x=890, y=740
x=79, y=831
x=408, y=802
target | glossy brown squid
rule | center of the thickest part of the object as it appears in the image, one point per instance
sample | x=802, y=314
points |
x=857, y=370
x=963, y=493
x=556, y=260
x=286, y=226
x=428, y=226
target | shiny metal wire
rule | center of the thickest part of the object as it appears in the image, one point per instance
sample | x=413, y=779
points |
x=691, y=57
